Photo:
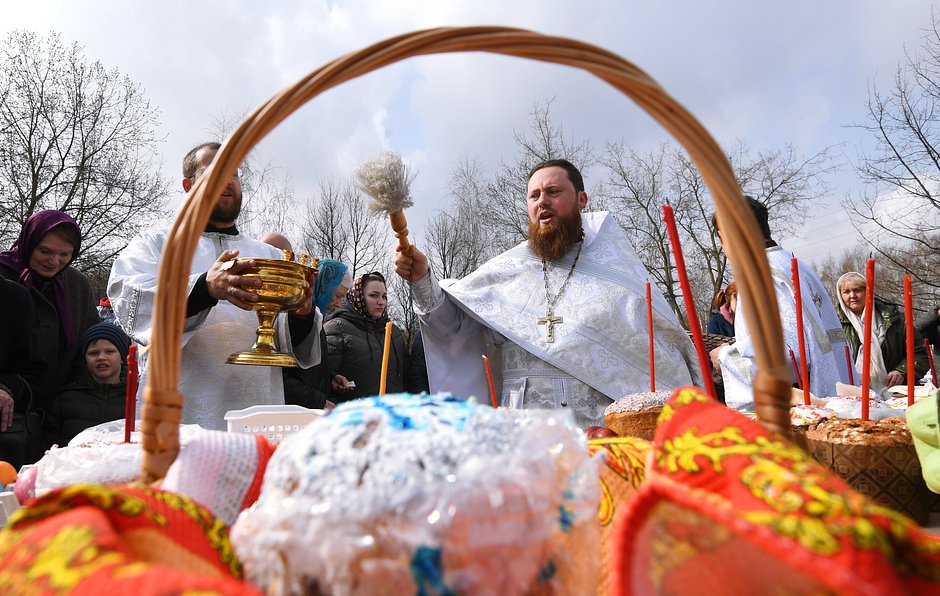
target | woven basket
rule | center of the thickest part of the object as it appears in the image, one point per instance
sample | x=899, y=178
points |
x=162, y=409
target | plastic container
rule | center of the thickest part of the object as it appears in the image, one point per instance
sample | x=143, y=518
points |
x=276, y=423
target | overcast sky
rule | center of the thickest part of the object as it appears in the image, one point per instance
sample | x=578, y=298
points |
x=765, y=73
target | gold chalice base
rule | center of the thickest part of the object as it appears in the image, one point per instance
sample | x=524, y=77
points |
x=283, y=289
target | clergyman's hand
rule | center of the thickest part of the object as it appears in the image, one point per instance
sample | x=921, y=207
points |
x=6, y=410
x=895, y=378
x=410, y=264
x=226, y=282
x=306, y=309
x=713, y=356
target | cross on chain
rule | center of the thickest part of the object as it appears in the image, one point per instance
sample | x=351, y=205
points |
x=549, y=320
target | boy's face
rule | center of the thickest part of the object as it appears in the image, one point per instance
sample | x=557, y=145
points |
x=103, y=361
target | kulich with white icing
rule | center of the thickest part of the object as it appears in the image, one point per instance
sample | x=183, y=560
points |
x=425, y=494
x=635, y=415
x=639, y=401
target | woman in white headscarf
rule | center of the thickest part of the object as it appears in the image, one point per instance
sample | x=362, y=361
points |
x=888, y=347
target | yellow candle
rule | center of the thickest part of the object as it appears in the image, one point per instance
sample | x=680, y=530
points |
x=385, y=350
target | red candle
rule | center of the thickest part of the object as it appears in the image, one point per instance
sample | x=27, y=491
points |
x=909, y=332
x=649, y=321
x=933, y=371
x=848, y=363
x=866, y=341
x=130, y=395
x=801, y=338
x=489, y=379
x=703, y=360
x=796, y=370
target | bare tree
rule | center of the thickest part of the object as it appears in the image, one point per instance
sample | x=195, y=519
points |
x=270, y=202
x=77, y=137
x=506, y=214
x=456, y=238
x=903, y=168
x=401, y=306
x=638, y=186
x=786, y=181
x=339, y=226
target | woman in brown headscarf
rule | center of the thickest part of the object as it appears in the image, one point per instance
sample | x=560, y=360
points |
x=356, y=336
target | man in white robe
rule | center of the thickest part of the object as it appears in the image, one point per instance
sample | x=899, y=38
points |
x=823, y=335
x=564, y=313
x=220, y=319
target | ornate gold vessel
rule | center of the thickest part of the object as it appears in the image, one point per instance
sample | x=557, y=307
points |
x=283, y=288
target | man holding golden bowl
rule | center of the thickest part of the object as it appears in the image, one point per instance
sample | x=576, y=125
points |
x=220, y=319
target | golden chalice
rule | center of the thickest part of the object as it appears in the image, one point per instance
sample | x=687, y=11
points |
x=283, y=288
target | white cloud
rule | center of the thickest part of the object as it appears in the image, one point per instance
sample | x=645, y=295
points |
x=763, y=73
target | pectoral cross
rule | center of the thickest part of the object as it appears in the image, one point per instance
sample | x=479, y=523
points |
x=549, y=321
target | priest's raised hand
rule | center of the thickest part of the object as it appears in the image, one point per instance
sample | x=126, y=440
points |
x=410, y=264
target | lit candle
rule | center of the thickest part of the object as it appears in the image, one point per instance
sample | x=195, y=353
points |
x=649, y=321
x=696, y=331
x=489, y=379
x=909, y=332
x=383, y=378
x=130, y=393
x=933, y=371
x=866, y=341
x=849, y=364
x=800, y=336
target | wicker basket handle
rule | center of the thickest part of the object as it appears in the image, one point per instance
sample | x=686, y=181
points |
x=162, y=400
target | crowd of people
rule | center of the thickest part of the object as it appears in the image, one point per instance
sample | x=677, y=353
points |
x=563, y=315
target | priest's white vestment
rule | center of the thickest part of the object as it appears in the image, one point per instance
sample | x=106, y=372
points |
x=600, y=350
x=210, y=387
x=824, y=338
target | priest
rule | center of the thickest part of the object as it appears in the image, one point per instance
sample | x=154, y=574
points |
x=219, y=315
x=564, y=312
x=823, y=336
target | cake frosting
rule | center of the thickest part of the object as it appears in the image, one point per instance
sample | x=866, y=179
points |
x=803, y=415
x=639, y=401
x=425, y=494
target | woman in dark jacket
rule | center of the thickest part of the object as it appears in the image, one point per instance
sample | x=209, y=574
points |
x=65, y=307
x=889, y=349
x=356, y=336
x=98, y=395
x=21, y=369
x=722, y=321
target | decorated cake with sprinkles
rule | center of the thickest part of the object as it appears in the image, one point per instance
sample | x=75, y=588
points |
x=635, y=415
x=429, y=494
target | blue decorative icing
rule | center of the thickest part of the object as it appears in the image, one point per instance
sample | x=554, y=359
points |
x=428, y=572
x=565, y=519
x=547, y=572
x=405, y=411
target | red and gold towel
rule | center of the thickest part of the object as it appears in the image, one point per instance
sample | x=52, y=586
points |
x=728, y=507
x=93, y=539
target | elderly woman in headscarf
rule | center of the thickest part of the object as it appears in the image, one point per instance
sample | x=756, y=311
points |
x=40, y=261
x=311, y=387
x=889, y=363
x=355, y=335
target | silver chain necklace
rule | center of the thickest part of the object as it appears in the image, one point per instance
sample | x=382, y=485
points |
x=550, y=320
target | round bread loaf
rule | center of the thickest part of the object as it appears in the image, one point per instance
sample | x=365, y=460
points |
x=635, y=415
x=421, y=494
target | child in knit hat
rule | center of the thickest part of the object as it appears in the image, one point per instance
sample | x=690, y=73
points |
x=95, y=397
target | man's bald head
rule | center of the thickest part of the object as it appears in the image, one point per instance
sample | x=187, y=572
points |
x=277, y=241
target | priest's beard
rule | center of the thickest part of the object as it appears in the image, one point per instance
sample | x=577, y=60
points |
x=553, y=241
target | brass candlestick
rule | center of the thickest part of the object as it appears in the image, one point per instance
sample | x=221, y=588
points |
x=283, y=288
